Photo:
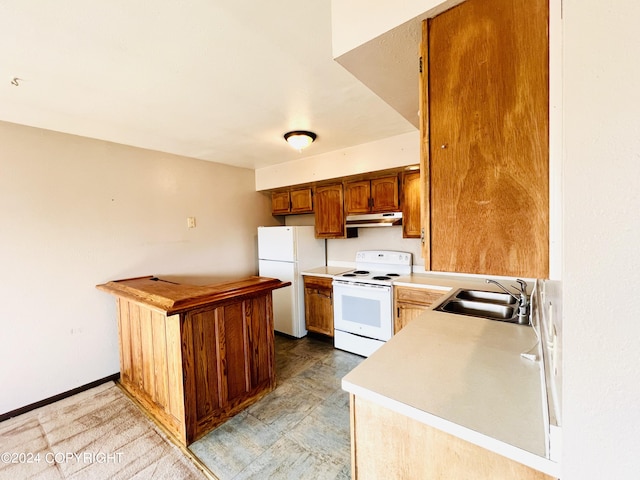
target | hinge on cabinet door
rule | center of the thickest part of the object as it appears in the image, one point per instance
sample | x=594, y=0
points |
x=422, y=235
x=420, y=64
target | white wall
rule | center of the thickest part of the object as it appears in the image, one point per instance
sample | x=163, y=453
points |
x=76, y=212
x=343, y=251
x=602, y=240
x=382, y=238
x=397, y=151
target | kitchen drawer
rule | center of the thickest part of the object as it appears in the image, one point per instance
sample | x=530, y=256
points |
x=317, y=282
x=419, y=296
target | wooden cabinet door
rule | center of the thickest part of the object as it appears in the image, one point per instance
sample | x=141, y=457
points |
x=294, y=201
x=411, y=223
x=357, y=197
x=372, y=196
x=301, y=201
x=411, y=302
x=330, y=222
x=384, y=194
x=488, y=138
x=405, y=313
x=280, y=203
x=318, y=305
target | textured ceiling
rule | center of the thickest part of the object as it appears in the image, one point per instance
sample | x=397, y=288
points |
x=215, y=80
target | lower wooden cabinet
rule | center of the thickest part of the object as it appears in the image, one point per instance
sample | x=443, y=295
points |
x=318, y=304
x=410, y=302
x=387, y=445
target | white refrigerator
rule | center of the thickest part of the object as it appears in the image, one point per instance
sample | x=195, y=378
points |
x=283, y=253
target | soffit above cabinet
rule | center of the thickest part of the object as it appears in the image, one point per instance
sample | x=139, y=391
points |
x=389, y=63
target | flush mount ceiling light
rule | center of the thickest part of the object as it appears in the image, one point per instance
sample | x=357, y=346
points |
x=300, y=139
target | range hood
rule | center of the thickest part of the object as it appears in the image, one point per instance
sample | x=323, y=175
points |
x=374, y=220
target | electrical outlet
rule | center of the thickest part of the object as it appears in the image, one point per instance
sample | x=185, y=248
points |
x=191, y=222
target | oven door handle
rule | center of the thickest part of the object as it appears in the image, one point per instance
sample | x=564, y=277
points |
x=350, y=284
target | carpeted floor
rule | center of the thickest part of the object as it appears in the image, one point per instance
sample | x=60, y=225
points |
x=97, y=434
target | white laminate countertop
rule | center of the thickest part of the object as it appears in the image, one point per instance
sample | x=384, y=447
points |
x=326, y=271
x=462, y=375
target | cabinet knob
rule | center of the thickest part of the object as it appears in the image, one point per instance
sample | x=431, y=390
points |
x=443, y=146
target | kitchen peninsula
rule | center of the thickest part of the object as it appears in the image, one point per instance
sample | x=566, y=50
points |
x=193, y=356
x=452, y=394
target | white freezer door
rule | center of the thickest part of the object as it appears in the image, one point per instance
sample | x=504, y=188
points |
x=276, y=243
x=287, y=301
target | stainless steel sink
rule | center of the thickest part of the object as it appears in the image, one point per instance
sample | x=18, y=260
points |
x=493, y=311
x=483, y=304
x=490, y=297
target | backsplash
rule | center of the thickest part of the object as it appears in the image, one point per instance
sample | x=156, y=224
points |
x=550, y=298
x=380, y=238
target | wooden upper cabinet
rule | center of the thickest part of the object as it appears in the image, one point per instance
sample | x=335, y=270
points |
x=302, y=200
x=488, y=138
x=280, y=203
x=330, y=221
x=411, y=224
x=292, y=201
x=372, y=196
x=384, y=194
x=357, y=197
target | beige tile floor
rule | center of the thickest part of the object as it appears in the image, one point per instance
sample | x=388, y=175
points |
x=298, y=431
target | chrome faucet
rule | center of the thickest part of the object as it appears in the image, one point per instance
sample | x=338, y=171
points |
x=522, y=299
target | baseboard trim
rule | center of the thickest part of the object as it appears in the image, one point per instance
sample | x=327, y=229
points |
x=55, y=398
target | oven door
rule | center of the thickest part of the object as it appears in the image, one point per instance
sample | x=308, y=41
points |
x=362, y=309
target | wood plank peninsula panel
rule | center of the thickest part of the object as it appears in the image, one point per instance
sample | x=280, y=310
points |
x=193, y=356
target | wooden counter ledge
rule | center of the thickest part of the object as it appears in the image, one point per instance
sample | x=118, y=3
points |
x=172, y=297
x=193, y=356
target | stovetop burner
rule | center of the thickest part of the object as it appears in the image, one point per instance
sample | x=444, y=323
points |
x=378, y=267
x=366, y=276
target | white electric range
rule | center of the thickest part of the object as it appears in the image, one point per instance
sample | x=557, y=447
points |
x=363, y=300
